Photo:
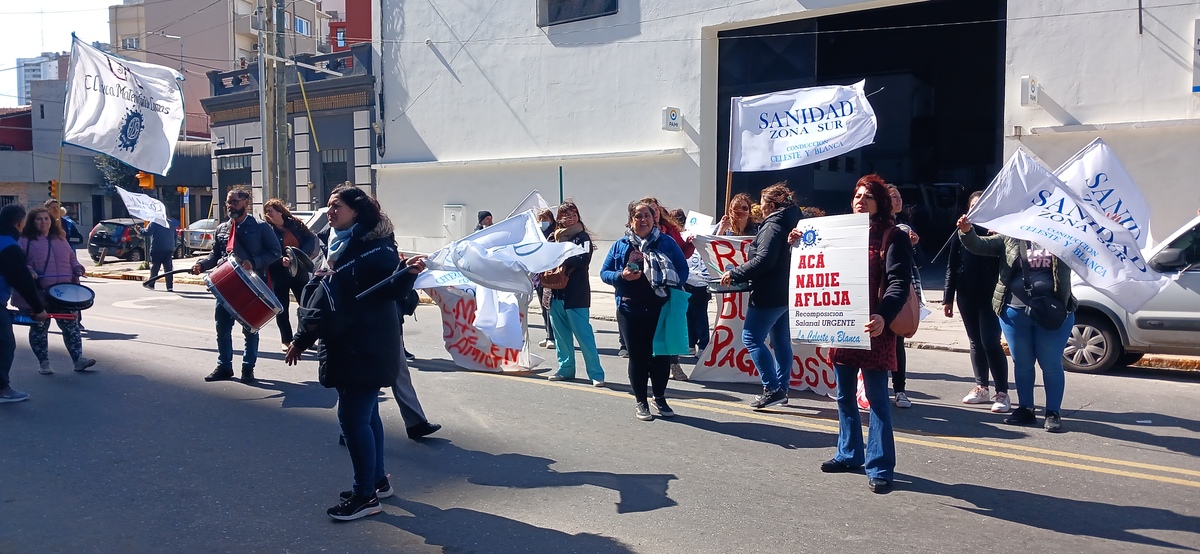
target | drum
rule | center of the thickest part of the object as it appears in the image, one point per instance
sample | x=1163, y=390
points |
x=243, y=293
x=69, y=296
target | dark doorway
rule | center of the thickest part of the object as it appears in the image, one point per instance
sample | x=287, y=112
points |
x=97, y=208
x=334, y=170
x=935, y=74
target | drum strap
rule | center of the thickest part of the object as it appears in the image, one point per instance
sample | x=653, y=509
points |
x=232, y=235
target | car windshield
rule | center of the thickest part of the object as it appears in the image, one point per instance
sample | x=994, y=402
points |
x=109, y=227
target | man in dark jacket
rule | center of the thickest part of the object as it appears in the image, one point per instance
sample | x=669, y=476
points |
x=255, y=247
x=485, y=220
x=14, y=274
x=162, y=252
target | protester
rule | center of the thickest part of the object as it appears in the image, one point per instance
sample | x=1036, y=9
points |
x=737, y=221
x=162, y=254
x=291, y=233
x=899, y=377
x=255, y=247
x=767, y=269
x=52, y=259
x=968, y=279
x=570, y=306
x=697, y=312
x=548, y=225
x=485, y=220
x=14, y=276
x=1028, y=271
x=641, y=266
x=889, y=279
x=360, y=351
x=671, y=226
x=68, y=225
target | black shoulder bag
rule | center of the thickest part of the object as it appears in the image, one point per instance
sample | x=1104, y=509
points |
x=1046, y=310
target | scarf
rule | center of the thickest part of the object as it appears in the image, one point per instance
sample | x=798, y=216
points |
x=567, y=233
x=659, y=270
x=338, y=242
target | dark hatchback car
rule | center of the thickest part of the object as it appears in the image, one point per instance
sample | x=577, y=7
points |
x=117, y=238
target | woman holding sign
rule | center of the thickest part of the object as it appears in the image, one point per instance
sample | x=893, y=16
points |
x=889, y=266
x=1036, y=308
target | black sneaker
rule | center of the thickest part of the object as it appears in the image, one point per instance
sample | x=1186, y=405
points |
x=768, y=399
x=1021, y=416
x=643, y=412
x=222, y=373
x=425, y=428
x=835, y=466
x=147, y=285
x=354, y=508
x=1053, y=422
x=408, y=356
x=383, y=489
x=664, y=410
x=248, y=376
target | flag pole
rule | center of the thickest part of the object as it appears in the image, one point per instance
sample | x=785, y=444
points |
x=60, y=164
x=729, y=155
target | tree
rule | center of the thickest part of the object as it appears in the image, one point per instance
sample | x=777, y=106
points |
x=116, y=173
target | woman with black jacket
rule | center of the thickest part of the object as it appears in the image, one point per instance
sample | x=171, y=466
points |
x=570, y=306
x=359, y=351
x=291, y=233
x=968, y=279
x=767, y=268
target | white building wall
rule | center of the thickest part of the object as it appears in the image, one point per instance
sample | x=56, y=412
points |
x=1100, y=78
x=491, y=85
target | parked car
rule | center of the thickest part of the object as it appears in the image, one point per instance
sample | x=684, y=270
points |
x=1106, y=336
x=117, y=238
x=199, y=236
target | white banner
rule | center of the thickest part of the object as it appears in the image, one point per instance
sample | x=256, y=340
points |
x=144, y=207
x=129, y=110
x=798, y=127
x=532, y=201
x=830, y=282
x=726, y=358
x=1026, y=201
x=468, y=346
x=1097, y=176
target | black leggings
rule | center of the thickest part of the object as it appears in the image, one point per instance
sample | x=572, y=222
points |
x=983, y=333
x=281, y=286
x=637, y=324
x=898, y=377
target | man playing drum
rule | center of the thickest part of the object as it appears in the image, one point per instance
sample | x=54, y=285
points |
x=254, y=245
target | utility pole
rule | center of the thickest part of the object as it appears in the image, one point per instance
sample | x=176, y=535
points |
x=282, y=172
x=273, y=102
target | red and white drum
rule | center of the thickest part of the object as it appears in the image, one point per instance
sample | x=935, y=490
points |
x=243, y=293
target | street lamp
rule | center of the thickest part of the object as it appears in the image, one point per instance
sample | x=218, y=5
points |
x=180, y=39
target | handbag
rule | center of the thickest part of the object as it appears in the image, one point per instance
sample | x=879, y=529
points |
x=908, y=320
x=1046, y=310
x=556, y=279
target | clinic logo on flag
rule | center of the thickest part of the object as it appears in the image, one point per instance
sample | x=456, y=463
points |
x=131, y=129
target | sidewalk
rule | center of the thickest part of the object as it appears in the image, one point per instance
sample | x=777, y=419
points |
x=937, y=331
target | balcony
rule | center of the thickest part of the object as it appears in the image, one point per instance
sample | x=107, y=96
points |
x=353, y=62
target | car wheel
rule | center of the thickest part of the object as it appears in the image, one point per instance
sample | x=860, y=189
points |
x=136, y=255
x=1093, y=347
x=1130, y=358
x=95, y=257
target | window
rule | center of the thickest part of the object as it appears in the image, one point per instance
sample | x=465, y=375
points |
x=131, y=43
x=229, y=163
x=7, y=199
x=553, y=12
x=303, y=26
x=341, y=38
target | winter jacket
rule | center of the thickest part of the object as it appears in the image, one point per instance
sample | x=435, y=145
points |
x=968, y=272
x=308, y=244
x=687, y=247
x=768, y=260
x=162, y=239
x=1010, y=250
x=53, y=261
x=578, y=292
x=367, y=353
x=253, y=241
x=639, y=289
x=14, y=272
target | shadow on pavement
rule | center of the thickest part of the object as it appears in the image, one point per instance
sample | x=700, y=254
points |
x=105, y=335
x=783, y=437
x=1106, y=424
x=309, y=394
x=637, y=492
x=1157, y=374
x=464, y=530
x=1061, y=515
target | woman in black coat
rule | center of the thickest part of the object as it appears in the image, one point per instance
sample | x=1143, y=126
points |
x=360, y=348
x=291, y=232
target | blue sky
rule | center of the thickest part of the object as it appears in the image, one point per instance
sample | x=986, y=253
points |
x=31, y=30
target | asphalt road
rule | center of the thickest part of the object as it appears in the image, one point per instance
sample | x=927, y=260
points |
x=143, y=456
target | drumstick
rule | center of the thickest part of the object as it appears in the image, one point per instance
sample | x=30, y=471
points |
x=161, y=275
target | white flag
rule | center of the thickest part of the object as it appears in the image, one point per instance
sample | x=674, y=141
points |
x=1026, y=201
x=798, y=127
x=129, y=110
x=1097, y=176
x=144, y=207
x=532, y=201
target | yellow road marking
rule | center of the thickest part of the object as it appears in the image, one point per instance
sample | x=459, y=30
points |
x=713, y=406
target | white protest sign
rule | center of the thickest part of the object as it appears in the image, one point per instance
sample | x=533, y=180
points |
x=830, y=285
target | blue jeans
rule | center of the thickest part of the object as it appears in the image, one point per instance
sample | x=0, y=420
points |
x=225, y=321
x=570, y=325
x=8, y=347
x=775, y=371
x=879, y=454
x=1027, y=341
x=358, y=414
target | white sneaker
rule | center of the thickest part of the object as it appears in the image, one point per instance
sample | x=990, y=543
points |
x=1001, y=403
x=84, y=363
x=692, y=351
x=543, y=342
x=549, y=343
x=677, y=373
x=902, y=400
x=978, y=395
x=623, y=353
x=45, y=368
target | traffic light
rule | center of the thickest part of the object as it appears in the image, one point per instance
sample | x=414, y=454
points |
x=145, y=180
x=181, y=190
x=53, y=188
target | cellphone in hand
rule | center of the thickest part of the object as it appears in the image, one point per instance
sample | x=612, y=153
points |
x=634, y=267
